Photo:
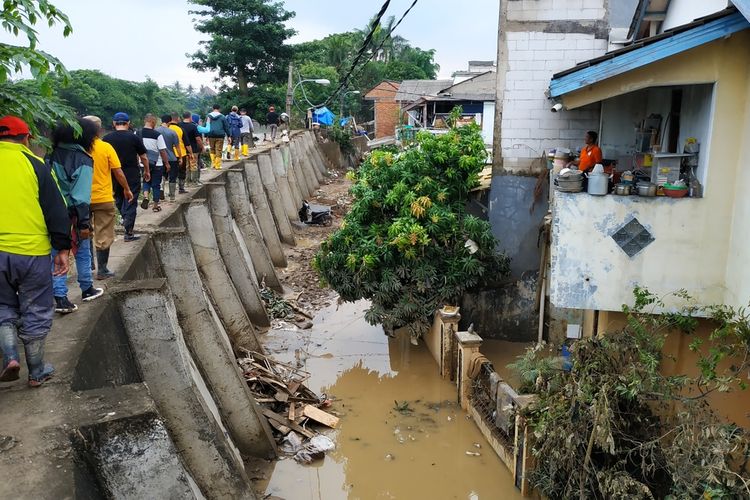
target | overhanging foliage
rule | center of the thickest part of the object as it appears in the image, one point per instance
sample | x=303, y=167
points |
x=403, y=245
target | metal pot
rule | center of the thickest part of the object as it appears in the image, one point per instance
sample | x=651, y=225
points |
x=622, y=189
x=598, y=184
x=646, y=189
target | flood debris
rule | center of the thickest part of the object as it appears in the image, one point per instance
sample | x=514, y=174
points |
x=306, y=452
x=289, y=405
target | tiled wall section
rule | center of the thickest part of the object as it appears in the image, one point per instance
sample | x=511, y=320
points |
x=528, y=125
x=555, y=10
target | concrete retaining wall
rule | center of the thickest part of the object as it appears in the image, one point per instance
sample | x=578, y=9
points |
x=147, y=399
x=294, y=183
x=180, y=393
x=209, y=344
x=244, y=214
x=263, y=212
x=217, y=280
x=240, y=269
x=282, y=181
x=308, y=172
x=275, y=200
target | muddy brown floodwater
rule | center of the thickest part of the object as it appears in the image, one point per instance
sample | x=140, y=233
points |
x=414, y=452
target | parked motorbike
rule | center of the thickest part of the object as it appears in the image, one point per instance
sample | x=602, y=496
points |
x=315, y=215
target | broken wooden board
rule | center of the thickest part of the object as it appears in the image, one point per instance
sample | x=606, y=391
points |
x=320, y=416
x=287, y=423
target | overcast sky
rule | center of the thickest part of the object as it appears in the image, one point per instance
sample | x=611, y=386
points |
x=126, y=39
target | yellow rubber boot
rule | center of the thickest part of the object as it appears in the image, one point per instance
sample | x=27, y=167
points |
x=245, y=150
x=236, y=154
x=213, y=160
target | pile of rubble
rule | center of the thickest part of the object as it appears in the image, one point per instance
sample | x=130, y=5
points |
x=293, y=411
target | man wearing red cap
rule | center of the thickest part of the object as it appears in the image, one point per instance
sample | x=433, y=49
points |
x=39, y=223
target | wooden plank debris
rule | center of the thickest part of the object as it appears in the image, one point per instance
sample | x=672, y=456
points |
x=320, y=416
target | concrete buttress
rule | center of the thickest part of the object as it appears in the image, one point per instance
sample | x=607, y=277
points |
x=304, y=184
x=215, y=276
x=263, y=212
x=240, y=269
x=209, y=344
x=275, y=200
x=307, y=147
x=294, y=183
x=316, y=154
x=181, y=395
x=298, y=148
x=282, y=181
x=244, y=215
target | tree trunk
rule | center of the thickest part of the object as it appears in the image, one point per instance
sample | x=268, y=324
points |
x=242, y=81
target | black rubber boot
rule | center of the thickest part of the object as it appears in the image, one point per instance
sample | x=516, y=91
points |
x=102, y=259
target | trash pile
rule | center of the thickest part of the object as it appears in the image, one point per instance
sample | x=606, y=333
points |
x=293, y=410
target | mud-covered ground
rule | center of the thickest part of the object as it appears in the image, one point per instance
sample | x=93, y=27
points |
x=300, y=280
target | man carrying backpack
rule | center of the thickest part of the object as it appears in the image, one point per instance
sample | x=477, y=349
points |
x=217, y=131
x=235, y=131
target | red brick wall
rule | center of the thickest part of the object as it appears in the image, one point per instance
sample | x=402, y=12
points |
x=387, y=112
x=386, y=118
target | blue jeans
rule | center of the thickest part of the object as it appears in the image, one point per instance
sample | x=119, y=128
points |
x=26, y=294
x=155, y=183
x=83, y=269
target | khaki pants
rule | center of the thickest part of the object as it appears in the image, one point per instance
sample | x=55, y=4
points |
x=217, y=145
x=103, y=224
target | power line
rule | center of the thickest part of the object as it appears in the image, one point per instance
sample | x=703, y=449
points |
x=375, y=24
x=362, y=68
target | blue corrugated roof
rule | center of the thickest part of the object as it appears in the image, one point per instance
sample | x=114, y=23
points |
x=647, y=51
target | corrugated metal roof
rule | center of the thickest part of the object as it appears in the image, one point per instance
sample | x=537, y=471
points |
x=411, y=90
x=482, y=87
x=648, y=50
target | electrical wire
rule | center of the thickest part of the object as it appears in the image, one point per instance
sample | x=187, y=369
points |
x=377, y=49
x=365, y=43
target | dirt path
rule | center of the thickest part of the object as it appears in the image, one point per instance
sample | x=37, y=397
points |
x=299, y=278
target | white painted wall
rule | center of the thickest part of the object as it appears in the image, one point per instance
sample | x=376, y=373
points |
x=685, y=11
x=696, y=117
x=488, y=122
x=590, y=271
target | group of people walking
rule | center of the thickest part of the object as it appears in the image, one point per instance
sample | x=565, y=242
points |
x=66, y=203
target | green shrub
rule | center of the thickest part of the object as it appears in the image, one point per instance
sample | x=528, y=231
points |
x=403, y=245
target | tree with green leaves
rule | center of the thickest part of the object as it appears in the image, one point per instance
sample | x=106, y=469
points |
x=408, y=244
x=247, y=41
x=33, y=100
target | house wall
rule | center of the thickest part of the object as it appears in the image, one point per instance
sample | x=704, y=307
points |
x=488, y=122
x=386, y=118
x=685, y=11
x=700, y=244
x=537, y=39
x=387, y=112
x=738, y=270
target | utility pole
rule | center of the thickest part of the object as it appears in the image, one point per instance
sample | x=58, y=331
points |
x=289, y=95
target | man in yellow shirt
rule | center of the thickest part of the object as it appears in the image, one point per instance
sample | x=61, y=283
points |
x=181, y=152
x=106, y=166
x=35, y=220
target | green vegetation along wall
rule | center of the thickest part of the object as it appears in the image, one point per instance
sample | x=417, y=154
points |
x=407, y=244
